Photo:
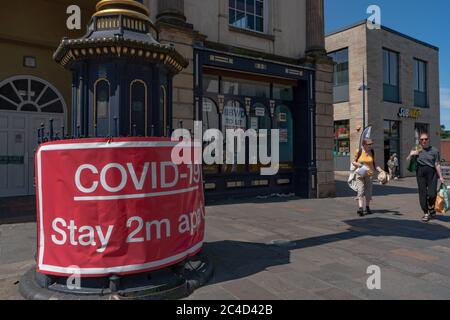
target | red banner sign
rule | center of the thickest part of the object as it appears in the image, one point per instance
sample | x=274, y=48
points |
x=116, y=207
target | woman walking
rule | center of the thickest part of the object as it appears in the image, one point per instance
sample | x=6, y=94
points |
x=365, y=163
x=428, y=173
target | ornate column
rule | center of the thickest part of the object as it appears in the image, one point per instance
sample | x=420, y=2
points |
x=315, y=31
x=175, y=29
x=171, y=11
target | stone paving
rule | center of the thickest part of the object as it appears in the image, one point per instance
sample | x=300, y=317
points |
x=301, y=249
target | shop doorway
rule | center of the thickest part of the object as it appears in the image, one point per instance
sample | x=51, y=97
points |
x=391, y=141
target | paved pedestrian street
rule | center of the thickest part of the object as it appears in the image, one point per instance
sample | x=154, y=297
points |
x=291, y=248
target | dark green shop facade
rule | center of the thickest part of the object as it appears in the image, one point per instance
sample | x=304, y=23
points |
x=239, y=92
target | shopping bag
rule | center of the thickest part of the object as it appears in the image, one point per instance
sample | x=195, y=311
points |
x=439, y=206
x=412, y=167
x=443, y=199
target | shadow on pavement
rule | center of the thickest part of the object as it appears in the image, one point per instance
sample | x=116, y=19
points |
x=17, y=210
x=234, y=259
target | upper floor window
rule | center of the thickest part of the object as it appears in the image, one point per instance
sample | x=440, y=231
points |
x=341, y=76
x=420, y=83
x=391, y=90
x=247, y=14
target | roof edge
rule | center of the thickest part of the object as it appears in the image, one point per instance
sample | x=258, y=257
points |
x=359, y=23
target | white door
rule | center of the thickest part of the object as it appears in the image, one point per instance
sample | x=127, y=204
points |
x=25, y=103
x=13, y=154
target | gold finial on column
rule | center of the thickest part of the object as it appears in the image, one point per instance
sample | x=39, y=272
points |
x=124, y=7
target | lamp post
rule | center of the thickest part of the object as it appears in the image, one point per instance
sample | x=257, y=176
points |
x=364, y=88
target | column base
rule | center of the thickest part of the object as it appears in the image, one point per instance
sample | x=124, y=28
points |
x=171, y=283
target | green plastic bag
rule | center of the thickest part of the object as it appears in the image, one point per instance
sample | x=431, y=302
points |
x=413, y=165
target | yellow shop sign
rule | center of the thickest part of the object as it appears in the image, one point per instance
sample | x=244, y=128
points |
x=409, y=113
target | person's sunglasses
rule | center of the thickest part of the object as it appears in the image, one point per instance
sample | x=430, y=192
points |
x=424, y=139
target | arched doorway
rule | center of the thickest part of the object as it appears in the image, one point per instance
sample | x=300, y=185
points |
x=25, y=102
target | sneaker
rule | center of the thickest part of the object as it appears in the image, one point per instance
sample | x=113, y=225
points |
x=426, y=218
x=361, y=212
x=368, y=211
x=433, y=214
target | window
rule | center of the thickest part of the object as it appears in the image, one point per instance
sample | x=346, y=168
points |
x=342, y=138
x=239, y=87
x=341, y=76
x=234, y=117
x=210, y=121
x=284, y=123
x=138, y=108
x=420, y=83
x=101, y=107
x=260, y=120
x=28, y=93
x=282, y=92
x=391, y=92
x=247, y=14
x=210, y=83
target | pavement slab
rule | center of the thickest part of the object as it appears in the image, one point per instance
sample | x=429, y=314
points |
x=292, y=248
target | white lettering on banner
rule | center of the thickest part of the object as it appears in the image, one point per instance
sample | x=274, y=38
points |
x=169, y=177
x=78, y=178
x=165, y=184
x=85, y=236
x=123, y=182
x=139, y=230
x=139, y=185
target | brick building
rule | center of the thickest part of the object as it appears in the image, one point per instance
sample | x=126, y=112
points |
x=402, y=100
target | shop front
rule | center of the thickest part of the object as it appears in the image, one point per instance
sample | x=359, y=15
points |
x=391, y=141
x=241, y=93
x=342, y=145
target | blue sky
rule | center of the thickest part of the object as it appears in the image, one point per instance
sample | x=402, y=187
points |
x=425, y=20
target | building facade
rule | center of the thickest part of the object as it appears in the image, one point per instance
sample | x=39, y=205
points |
x=33, y=88
x=252, y=64
x=400, y=92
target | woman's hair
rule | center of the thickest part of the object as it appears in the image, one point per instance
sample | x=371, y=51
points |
x=424, y=134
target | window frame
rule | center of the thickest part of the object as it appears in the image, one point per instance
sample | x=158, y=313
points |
x=417, y=80
x=335, y=84
x=265, y=16
x=389, y=70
